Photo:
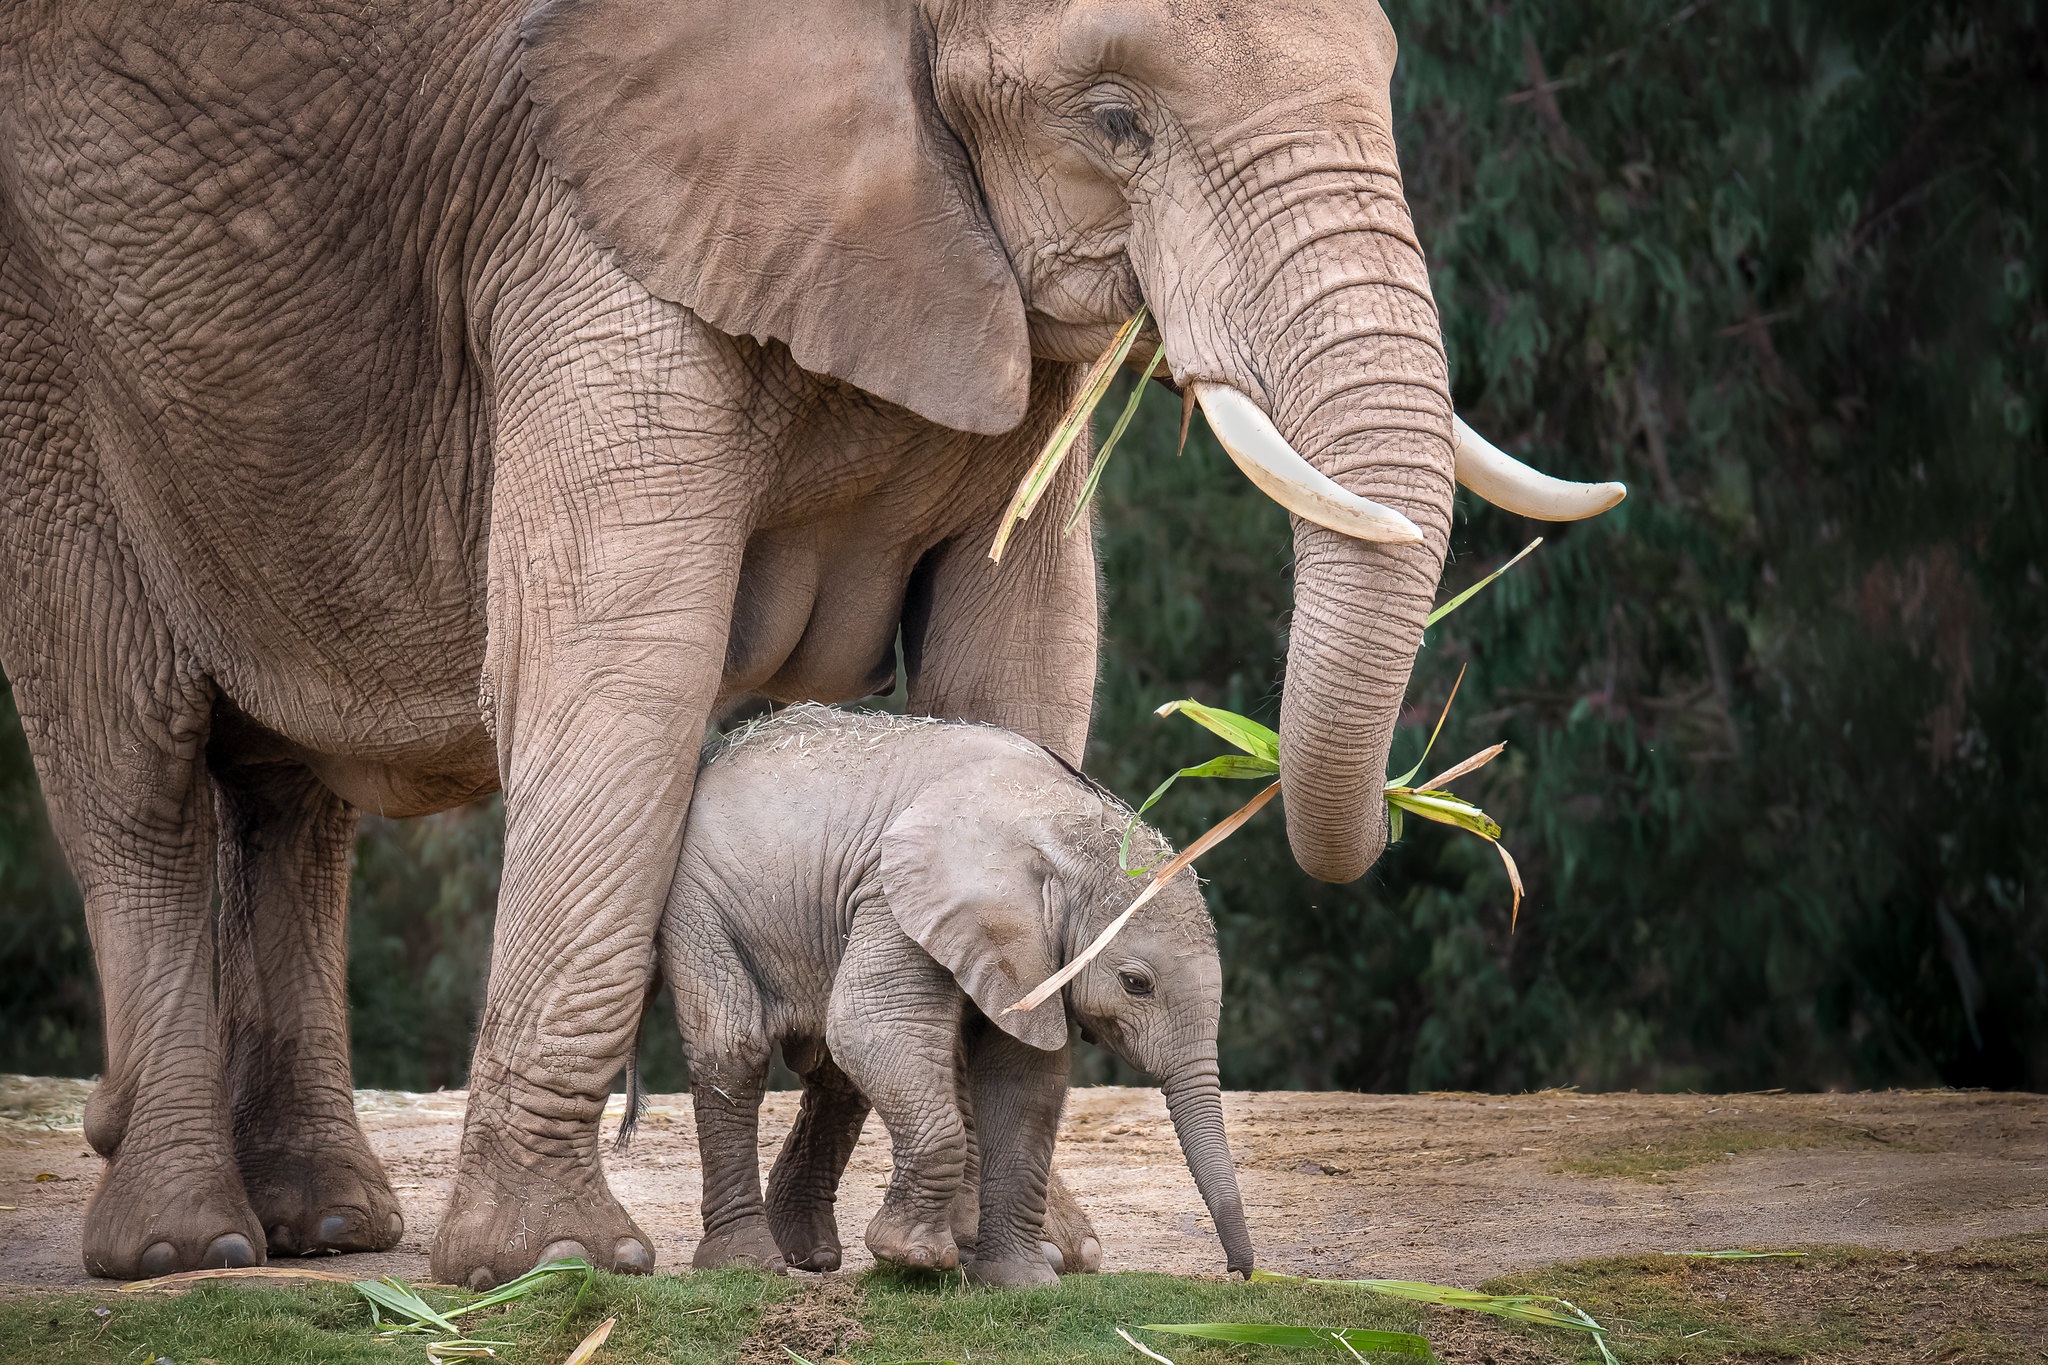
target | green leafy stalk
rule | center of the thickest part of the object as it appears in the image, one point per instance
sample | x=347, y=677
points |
x=1533, y=1309
x=1353, y=1339
x=1260, y=748
x=1072, y=423
x=1241, y=732
x=1115, y=434
x=410, y=1313
x=1466, y=596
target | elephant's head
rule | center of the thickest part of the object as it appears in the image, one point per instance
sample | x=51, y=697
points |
x=918, y=196
x=1006, y=872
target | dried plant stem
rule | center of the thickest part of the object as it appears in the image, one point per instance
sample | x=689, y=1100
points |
x=1221, y=831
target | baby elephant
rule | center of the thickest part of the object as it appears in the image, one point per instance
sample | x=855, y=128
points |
x=872, y=892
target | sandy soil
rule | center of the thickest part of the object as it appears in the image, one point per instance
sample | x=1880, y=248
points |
x=1452, y=1188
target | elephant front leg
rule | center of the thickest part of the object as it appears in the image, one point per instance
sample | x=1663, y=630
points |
x=597, y=785
x=804, y=1186
x=894, y=1028
x=1018, y=1093
x=726, y=1093
x=283, y=960
x=618, y=522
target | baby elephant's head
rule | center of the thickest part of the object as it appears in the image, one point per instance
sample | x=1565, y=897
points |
x=1004, y=871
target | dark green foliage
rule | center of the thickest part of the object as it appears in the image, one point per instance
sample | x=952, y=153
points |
x=1776, y=724
x=49, y=997
x=1778, y=743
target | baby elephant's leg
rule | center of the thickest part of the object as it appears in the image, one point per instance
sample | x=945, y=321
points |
x=894, y=1029
x=1018, y=1093
x=726, y=1093
x=804, y=1185
x=718, y=1009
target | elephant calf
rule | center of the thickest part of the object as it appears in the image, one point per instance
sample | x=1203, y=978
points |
x=872, y=892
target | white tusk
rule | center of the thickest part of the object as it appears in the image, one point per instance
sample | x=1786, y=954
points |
x=1258, y=448
x=1507, y=483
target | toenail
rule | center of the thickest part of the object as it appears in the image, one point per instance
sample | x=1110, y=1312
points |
x=481, y=1279
x=333, y=1228
x=567, y=1249
x=160, y=1259
x=1052, y=1257
x=230, y=1252
x=631, y=1257
x=823, y=1259
x=1091, y=1254
x=395, y=1226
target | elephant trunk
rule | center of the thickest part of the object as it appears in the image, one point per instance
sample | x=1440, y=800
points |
x=1327, y=323
x=1196, y=1103
x=1375, y=416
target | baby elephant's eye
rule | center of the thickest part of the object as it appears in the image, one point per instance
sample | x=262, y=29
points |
x=1135, y=983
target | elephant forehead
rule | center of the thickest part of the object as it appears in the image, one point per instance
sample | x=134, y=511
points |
x=1226, y=60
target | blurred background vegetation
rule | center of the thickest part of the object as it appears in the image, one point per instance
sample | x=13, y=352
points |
x=1778, y=751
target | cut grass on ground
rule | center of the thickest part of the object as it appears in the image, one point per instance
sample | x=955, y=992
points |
x=1987, y=1302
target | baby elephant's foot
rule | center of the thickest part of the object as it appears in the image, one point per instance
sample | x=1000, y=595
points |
x=1020, y=1271
x=905, y=1240
x=821, y=1258
x=809, y=1237
x=745, y=1243
x=1068, y=1233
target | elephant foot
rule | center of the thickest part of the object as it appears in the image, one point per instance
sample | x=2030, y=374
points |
x=1068, y=1232
x=157, y=1217
x=498, y=1229
x=906, y=1240
x=809, y=1238
x=1018, y=1271
x=324, y=1192
x=745, y=1243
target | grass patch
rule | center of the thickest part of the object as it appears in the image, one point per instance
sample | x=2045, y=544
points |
x=1987, y=1302
x=1654, y=1155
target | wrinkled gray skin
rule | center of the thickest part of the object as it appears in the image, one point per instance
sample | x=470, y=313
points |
x=873, y=894
x=398, y=400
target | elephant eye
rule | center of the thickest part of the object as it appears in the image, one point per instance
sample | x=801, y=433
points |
x=1135, y=983
x=1119, y=124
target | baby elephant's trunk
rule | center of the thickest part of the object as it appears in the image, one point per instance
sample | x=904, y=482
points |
x=1196, y=1103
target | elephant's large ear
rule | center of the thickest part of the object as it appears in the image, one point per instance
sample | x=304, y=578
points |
x=779, y=167
x=974, y=896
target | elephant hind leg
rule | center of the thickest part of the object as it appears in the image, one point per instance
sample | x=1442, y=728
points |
x=128, y=795
x=283, y=958
x=725, y=1091
x=804, y=1186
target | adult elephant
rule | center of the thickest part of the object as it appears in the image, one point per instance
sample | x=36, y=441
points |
x=403, y=397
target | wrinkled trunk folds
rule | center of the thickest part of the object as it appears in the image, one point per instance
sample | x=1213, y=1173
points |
x=1316, y=304
x=1196, y=1103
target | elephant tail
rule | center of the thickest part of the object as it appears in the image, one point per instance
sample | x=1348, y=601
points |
x=636, y=1102
x=636, y=1093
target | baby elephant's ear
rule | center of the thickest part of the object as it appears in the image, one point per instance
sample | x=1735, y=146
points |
x=780, y=167
x=973, y=895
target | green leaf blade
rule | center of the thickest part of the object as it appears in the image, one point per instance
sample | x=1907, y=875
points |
x=1228, y=726
x=1299, y=1338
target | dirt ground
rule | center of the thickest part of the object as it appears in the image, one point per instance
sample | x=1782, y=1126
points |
x=1450, y=1188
